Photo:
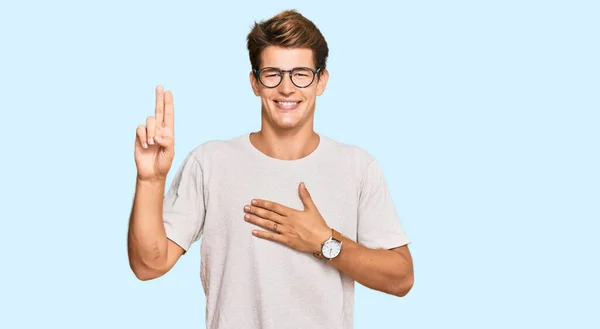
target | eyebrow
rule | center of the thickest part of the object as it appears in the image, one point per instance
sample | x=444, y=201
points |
x=295, y=67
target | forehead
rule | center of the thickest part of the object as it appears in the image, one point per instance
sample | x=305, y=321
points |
x=287, y=58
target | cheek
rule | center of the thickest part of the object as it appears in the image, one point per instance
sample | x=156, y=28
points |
x=264, y=95
x=309, y=95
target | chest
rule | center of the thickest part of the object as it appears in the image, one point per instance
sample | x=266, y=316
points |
x=229, y=187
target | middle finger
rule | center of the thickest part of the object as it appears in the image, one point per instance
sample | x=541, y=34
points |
x=265, y=223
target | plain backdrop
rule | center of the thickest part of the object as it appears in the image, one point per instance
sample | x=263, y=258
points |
x=484, y=116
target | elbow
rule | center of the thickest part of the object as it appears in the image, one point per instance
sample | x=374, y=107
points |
x=143, y=272
x=144, y=275
x=404, y=286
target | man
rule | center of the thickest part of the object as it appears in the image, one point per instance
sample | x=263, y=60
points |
x=289, y=218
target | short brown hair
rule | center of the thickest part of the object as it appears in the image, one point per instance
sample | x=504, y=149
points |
x=287, y=29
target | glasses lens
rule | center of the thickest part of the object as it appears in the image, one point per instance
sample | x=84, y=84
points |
x=270, y=77
x=302, y=77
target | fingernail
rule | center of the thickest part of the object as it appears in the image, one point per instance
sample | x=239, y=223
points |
x=144, y=145
x=158, y=139
x=151, y=141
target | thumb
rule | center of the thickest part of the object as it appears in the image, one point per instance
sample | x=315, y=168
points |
x=305, y=197
x=166, y=140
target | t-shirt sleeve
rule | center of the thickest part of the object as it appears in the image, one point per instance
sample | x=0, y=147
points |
x=183, y=205
x=379, y=225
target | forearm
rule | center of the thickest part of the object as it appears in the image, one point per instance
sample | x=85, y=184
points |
x=147, y=240
x=380, y=269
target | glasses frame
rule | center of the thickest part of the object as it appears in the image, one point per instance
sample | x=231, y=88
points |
x=282, y=72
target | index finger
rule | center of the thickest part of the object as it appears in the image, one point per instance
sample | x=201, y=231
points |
x=272, y=206
x=169, y=117
x=159, y=108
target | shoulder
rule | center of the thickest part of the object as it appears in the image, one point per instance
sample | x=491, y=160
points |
x=216, y=148
x=349, y=152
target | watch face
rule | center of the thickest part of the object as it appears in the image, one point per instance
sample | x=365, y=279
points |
x=331, y=248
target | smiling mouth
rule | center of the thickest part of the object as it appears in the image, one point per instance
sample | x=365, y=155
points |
x=287, y=105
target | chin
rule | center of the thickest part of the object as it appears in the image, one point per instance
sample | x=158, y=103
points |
x=289, y=126
x=285, y=124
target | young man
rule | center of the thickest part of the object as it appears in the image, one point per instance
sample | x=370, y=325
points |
x=289, y=218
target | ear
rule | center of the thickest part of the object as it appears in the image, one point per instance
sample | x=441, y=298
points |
x=322, y=82
x=254, y=84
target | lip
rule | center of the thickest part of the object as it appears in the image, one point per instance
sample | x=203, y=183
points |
x=287, y=105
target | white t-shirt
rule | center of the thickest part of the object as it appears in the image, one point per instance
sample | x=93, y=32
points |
x=253, y=283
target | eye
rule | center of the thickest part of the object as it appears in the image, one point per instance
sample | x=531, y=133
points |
x=302, y=73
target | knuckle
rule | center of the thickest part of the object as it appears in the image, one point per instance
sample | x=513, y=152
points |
x=278, y=209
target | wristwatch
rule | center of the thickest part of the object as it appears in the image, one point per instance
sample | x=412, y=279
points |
x=331, y=247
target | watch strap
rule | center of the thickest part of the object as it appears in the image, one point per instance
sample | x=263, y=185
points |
x=336, y=235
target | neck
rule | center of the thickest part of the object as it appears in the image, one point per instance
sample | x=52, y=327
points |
x=286, y=145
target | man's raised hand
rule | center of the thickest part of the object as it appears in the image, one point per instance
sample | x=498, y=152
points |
x=154, y=142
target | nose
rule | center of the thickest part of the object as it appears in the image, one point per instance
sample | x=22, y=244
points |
x=286, y=86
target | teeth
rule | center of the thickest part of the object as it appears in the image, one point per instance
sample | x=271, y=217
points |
x=288, y=103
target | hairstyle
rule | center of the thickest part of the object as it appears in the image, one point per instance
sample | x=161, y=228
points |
x=288, y=29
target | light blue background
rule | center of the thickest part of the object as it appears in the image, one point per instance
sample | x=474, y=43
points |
x=483, y=114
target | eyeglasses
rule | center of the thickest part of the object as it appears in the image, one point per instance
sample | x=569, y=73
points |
x=301, y=77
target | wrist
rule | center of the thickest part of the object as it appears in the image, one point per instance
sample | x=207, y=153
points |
x=154, y=182
x=331, y=246
x=320, y=238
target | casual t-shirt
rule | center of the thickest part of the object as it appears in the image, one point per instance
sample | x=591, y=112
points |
x=253, y=283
